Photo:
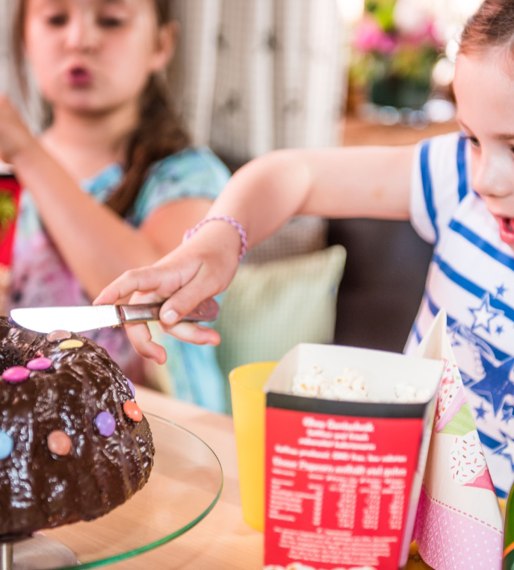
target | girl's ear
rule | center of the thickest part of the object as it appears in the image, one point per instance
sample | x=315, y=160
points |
x=165, y=44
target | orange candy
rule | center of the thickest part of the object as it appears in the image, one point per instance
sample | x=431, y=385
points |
x=59, y=443
x=132, y=411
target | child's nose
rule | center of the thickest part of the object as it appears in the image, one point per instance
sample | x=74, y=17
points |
x=82, y=33
x=490, y=178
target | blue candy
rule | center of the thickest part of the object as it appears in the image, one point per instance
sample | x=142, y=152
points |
x=6, y=445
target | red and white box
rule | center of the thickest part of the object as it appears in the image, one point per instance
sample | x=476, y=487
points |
x=9, y=202
x=342, y=477
x=9, y=199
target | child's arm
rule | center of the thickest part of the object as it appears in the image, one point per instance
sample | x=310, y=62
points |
x=337, y=182
x=341, y=182
x=80, y=226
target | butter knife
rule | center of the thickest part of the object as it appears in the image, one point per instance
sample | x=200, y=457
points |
x=86, y=318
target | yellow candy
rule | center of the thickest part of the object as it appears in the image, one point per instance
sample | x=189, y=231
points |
x=71, y=343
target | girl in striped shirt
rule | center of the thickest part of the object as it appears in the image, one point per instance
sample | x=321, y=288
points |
x=458, y=192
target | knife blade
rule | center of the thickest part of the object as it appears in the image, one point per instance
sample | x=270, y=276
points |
x=86, y=318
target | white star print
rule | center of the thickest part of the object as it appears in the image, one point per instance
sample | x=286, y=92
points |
x=484, y=314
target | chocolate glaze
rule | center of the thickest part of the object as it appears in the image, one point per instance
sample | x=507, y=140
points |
x=38, y=489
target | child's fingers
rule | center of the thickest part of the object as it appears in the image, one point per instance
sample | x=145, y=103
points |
x=205, y=284
x=159, y=280
x=142, y=279
x=193, y=333
x=141, y=339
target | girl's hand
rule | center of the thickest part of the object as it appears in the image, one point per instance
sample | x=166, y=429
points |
x=14, y=133
x=185, y=277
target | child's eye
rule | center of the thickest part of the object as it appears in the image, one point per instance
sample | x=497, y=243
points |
x=473, y=141
x=57, y=19
x=110, y=22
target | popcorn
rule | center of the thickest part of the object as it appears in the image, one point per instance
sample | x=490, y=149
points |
x=410, y=394
x=349, y=385
x=309, y=384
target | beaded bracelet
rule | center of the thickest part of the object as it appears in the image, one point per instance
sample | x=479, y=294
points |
x=230, y=220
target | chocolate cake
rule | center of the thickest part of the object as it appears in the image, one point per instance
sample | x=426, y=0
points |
x=73, y=441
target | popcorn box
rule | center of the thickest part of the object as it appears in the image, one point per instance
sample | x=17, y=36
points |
x=9, y=198
x=342, y=477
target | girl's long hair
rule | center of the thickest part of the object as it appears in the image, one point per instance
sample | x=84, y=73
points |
x=158, y=134
x=491, y=25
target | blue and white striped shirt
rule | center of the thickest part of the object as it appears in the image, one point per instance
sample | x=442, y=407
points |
x=471, y=277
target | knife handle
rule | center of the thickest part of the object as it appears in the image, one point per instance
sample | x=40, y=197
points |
x=206, y=311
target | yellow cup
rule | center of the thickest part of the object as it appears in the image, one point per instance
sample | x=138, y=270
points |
x=248, y=406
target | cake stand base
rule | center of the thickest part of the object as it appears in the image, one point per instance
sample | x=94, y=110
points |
x=35, y=553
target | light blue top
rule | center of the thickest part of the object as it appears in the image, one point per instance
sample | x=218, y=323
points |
x=41, y=278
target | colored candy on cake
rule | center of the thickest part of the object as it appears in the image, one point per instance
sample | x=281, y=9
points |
x=73, y=442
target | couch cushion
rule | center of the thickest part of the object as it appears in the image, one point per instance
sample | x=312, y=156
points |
x=271, y=307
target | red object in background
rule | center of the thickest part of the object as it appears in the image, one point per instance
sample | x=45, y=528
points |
x=9, y=200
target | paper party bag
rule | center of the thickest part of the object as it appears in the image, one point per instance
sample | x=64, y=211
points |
x=458, y=524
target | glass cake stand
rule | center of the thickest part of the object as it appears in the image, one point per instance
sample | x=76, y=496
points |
x=185, y=484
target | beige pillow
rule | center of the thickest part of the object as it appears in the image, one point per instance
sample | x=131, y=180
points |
x=271, y=307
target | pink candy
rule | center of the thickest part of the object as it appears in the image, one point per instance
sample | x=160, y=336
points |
x=40, y=363
x=15, y=374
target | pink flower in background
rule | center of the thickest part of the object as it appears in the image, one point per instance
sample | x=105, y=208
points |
x=370, y=37
x=427, y=34
x=391, y=43
x=395, y=47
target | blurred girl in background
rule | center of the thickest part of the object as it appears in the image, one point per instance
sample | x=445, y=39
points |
x=111, y=182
